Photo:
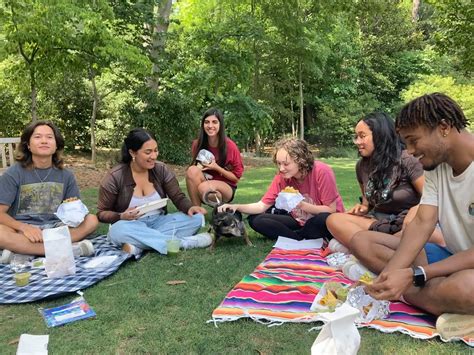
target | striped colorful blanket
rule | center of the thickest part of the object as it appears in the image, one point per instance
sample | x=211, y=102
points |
x=283, y=287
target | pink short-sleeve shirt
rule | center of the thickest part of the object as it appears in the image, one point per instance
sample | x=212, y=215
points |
x=319, y=184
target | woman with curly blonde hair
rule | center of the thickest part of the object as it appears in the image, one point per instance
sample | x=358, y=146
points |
x=313, y=179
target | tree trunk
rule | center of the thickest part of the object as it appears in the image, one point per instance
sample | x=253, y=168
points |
x=95, y=104
x=415, y=10
x=34, y=114
x=160, y=29
x=293, y=127
x=300, y=77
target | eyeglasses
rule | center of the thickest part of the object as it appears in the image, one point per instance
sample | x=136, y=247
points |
x=362, y=137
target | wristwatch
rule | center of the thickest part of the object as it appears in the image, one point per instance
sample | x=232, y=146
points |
x=419, y=276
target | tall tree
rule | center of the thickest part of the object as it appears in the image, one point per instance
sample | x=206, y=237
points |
x=33, y=29
x=96, y=47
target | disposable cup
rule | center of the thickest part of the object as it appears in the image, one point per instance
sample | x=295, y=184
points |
x=22, y=278
x=173, y=247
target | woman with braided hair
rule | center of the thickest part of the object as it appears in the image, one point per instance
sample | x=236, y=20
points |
x=391, y=181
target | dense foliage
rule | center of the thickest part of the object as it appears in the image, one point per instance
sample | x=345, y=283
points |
x=275, y=67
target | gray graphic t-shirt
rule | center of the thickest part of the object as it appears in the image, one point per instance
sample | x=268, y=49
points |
x=34, y=196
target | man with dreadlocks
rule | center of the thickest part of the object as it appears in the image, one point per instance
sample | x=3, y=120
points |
x=439, y=280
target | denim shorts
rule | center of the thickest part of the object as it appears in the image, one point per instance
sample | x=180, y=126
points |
x=435, y=253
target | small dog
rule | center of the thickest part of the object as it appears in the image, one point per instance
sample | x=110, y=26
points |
x=225, y=223
x=228, y=224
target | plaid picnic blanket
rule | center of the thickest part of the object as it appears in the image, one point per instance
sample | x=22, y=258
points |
x=41, y=287
x=283, y=287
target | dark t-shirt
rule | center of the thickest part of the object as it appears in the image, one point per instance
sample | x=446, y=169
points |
x=403, y=195
x=34, y=197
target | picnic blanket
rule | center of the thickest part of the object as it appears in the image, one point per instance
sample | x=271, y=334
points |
x=283, y=287
x=41, y=287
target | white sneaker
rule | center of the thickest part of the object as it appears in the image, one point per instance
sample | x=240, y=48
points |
x=353, y=270
x=336, y=247
x=201, y=240
x=6, y=256
x=451, y=325
x=83, y=248
x=131, y=249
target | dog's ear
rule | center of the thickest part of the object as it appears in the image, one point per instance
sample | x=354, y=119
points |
x=238, y=215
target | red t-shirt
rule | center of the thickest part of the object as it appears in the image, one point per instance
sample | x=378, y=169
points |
x=233, y=161
x=319, y=184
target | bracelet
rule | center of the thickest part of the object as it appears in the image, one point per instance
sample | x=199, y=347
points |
x=423, y=271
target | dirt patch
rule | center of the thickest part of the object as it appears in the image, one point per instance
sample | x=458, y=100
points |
x=88, y=176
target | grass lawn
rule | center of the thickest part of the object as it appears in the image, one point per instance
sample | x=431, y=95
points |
x=138, y=313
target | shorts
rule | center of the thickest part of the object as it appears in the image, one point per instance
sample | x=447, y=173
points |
x=435, y=253
x=234, y=188
x=51, y=225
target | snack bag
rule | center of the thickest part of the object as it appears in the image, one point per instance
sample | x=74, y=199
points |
x=369, y=307
x=205, y=157
x=302, y=216
x=59, y=259
x=288, y=199
x=72, y=212
x=339, y=334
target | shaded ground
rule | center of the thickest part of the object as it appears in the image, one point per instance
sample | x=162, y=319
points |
x=89, y=176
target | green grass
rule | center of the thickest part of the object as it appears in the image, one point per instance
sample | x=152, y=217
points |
x=138, y=313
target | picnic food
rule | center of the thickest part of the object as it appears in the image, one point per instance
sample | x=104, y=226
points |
x=366, y=279
x=329, y=300
x=336, y=293
x=341, y=293
x=290, y=190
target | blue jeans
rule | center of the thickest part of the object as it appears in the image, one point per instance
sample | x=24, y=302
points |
x=152, y=232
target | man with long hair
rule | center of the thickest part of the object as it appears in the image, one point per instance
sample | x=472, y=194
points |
x=32, y=190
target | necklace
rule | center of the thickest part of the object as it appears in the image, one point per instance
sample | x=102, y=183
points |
x=47, y=174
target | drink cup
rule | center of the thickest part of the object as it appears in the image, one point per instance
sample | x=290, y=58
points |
x=173, y=247
x=22, y=278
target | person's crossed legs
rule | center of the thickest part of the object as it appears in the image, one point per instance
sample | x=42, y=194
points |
x=198, y=186
x=18, y=243
x=450, y=294
x=343, y=226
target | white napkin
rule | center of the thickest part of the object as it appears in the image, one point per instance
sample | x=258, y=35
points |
x=288, y=201
x=33, y=345
x=292, y=244
x=72, y=213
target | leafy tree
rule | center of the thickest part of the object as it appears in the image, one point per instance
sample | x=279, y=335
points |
x=33, y=29
x=454, y=21
x=462, y=93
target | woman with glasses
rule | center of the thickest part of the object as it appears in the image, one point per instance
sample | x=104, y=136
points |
x=391, y=181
